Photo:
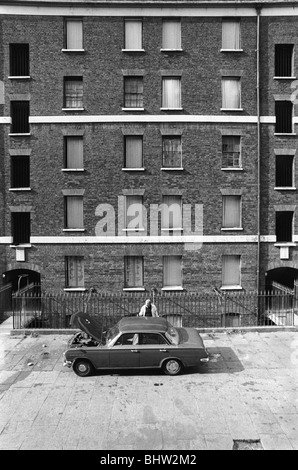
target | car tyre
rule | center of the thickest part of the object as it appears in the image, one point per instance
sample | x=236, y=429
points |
x=172, y=367
x=82, y=367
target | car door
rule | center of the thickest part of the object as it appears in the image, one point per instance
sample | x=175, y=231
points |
x=125, y=352
x=153, y=349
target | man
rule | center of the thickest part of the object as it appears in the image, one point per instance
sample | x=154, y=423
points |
x=148, y=310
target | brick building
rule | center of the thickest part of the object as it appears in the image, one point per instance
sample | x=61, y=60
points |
x=148, y=144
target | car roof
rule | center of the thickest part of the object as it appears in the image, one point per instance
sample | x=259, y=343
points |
x=143, y=324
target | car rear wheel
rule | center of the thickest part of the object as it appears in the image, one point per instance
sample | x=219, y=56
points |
x=172, y=367
x=82, y=367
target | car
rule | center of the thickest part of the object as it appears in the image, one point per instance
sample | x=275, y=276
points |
x=133, y=343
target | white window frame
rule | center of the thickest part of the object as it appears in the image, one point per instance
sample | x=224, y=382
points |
x=132, y=260
x=232, y=286
x=169, y=138
x=171, y=24
x=171, y=97
x=127, y=22
x=67, y=227
x=126, y=141
x=80, y=98
x=225, y=99
x=229, y=167
x=67, y=23
x=225, y=23
x=165, y=214
x=167, y=285
x=127, y=225
x=80, y=285
x=224, y=208
x=67, y=155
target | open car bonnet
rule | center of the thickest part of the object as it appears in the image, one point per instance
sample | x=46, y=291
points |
x=88, y=324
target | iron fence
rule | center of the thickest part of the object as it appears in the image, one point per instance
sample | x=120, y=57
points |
x=218, y=309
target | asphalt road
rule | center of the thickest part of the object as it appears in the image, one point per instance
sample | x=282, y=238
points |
x=245, y=397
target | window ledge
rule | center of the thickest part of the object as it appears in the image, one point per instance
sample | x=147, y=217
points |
x=75, y=289
x=73, y=109
x=284, y=78
x=19, y=134
x=226, y=229
x=285, y=244
x=171, y=50
x=232, y=169
x=133, y=50
x=231, y=50
x=133, y=169
x=74, y=230
x=171, y=109
x=285, y=188
x=19, y=189
x=19, y=77
x=231, y=109
x=231, y=288
x=133, y=289
x=72, y=50
x=180, y=168
x=73, y=169
x=133, y=230
x=21, y=245
x=172, y=229
x=285, y=133
x=133, y=109
x=172, y=288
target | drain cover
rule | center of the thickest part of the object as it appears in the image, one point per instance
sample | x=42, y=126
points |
x=247, y=444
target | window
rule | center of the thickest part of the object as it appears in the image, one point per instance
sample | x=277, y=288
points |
x=284, y=171
x=73, y=152
x=74, y=271
x=171, y=93
x=74, y=34
x=231, y=35
x=231, y=93
x=172, y=272
x=74, y=212
x=134, y=213
x=171, y=152
x=73, y=92
x=20, y=171
x=19, y=60
x=231, y=271
x=133, y=272
x=231, y=156
x=284, y=116
x=284, y=226
x=283, y=60
x=133, y=92
x=133, y=157
x=20, y=222
x=171, y=35
x=151, y=338
x=19, y=117
x=133, y=32
x=171, y=214
x=231, y=212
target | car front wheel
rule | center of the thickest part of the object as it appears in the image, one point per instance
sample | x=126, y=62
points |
x=172, y=367
x=82, y=367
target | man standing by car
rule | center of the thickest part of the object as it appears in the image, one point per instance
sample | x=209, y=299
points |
x=148, y=310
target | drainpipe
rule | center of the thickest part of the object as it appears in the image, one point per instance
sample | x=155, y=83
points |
x=258, y=9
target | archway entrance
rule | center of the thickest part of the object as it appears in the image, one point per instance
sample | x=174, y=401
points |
x=21, y=279
x=282, y=277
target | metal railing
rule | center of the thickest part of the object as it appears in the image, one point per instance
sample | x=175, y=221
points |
x=213, y=310
x=5, y=302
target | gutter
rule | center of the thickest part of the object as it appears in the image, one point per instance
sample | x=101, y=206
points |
x=258, y=9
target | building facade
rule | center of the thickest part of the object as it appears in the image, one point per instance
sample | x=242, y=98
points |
x=148, y=145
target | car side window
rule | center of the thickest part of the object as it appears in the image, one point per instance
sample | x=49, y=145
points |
x=151, y=338
x=127, y=339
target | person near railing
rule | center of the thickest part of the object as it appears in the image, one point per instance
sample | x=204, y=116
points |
x=148, y=310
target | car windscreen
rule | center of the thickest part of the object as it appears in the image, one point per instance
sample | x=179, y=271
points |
x=172, y=335
x=112, y=333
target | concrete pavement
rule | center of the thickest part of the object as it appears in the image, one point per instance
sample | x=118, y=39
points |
x=246, y=395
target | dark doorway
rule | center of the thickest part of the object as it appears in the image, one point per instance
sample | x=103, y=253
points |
x=21, y=278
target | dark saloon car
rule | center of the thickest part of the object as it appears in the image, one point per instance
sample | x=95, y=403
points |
x=133, y=343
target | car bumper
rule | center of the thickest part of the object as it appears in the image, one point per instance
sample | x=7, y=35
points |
x=67, y=363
